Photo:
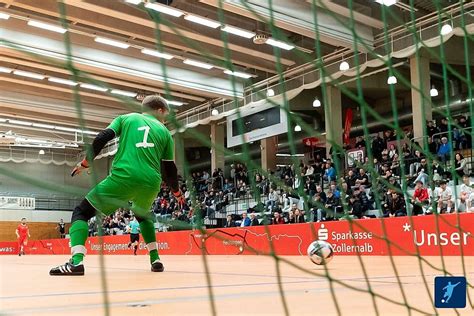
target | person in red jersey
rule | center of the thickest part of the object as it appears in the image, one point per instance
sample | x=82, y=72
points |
x=22, y=233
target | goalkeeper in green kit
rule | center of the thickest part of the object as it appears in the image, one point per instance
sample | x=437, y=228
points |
x=146, y=149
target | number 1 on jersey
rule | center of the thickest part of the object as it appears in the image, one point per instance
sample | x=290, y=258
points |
x=144, y=143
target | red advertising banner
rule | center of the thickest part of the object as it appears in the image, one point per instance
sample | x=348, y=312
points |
x=432, y=238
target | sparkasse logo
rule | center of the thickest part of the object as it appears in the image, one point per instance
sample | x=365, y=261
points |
x=323, y=233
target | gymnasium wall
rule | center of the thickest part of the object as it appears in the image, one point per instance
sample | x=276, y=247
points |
x=38, y=231
x=47, y=174
x=35, y=216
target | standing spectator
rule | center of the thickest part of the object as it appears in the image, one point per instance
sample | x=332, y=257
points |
x=62, y=229
x=443, y=126
x=461, y=166
x=465, y=195
x=444, y=195
x=420, y=198
x=378, y=145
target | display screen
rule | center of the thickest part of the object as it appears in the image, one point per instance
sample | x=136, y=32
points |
x=256, y=121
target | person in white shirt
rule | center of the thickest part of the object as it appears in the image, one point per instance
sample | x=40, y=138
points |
x=444, y=195
x=465, y=195
x=272, y=199
x=309, y=171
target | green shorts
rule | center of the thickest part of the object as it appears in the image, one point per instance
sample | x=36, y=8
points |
x=113, y=193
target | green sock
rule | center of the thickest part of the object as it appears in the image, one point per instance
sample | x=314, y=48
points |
x=147, y=229
x=78, y=233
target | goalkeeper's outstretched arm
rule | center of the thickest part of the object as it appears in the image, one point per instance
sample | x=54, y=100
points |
x=97, y=145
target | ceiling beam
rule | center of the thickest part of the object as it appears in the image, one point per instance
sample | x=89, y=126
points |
x=102, y=78
x=344, y=11
x=50, y=8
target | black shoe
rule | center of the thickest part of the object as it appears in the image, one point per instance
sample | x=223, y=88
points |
x=68, y=269
x=157, y=266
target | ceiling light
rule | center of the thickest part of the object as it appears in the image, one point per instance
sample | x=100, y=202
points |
x=124, y=93
x=93, y=87
x=46, y=26
x=433, y=91
x=111, y=42
x=164, y=9
x=203, y=21
x=40, y=125
x=215, y=112
x=446, y=29
x=238, y=31
x=392, y=80
x=175, y=103
x=270, y=93
x=344, y=66
x=155, y=53
x=41, y=152
x=5, y=70
x=66, y=129
x=28, y=74
x=4, y=16
x=386, y=2
x=297, y=128
x=238, y=74
x=133, y=1
x=316, y=103
x=280, y=44
x=62, y=81
x=23, y=123
x=197, y=64
x=89, y=132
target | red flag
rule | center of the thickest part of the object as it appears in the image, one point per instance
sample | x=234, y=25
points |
x=347, y=126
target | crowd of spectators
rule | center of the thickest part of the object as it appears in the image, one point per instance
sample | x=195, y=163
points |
x=318, y=191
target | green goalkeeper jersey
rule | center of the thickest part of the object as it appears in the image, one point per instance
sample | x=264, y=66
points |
x=144, y=142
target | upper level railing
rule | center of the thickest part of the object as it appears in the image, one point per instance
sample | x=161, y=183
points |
x=400, y=38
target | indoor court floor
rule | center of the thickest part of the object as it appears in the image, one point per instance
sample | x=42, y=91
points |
x=241, y=285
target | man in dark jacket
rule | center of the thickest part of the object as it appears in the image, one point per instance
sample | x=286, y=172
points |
x=253, y=220
x=396, y=206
